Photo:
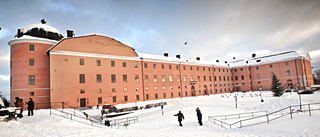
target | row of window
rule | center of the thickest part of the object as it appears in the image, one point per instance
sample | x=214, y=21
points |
x=288, y=73
x=257, y=67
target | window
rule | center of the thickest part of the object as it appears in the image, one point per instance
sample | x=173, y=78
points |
x=135, y=65
x=31, y=47
x=215, y=78
x=169, y=66
x=82, y=91
x=171, y=94
x=204, y=69
x=125, y=79
x=31, y=62
x=164, y=88
x=170, y=78
x=271, y=74
x=236, y=77
x=224, y=78
x=164, y=95
x=137, y=89
x=163, y=78
x=178, y=78
x=99, y=100
x=184, y=78
x=113, y=64
x=81, y=61
x=235, y=70
x=257, y=67
x=288, y=72
x=137, y=97
x=114, y=90
x=154, y=66
x=270, y=65
x=136, y=78
x=147, y=96
x=99, y=78
x=147, y=88
x=31, y=93
x=191, y=78
x=242, y=77
x=146, y=78
x=171, y=87
x=184, y=67
x=241, y=69
x=209, y=69
x=99, y=90
x=179, y=93
x=124, y=64
x=287, y=63
x=177, y=67
x=186, y=93
x=82, y=78
x=258, y=75
x=210, y=78
x=162, y=66
x=155, y=88
x=204, y=78
x=219, y=78
x=155, y=79
x=198, y=68
x=125, y=89
x=191, y=68
x=198, y=78
x=98, y=62
x=125, y=98
x=145, y=65
x=114, y=99
x=156, y=95
x=113, y=78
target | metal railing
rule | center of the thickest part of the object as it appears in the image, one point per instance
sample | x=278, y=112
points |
x=123, y=121
x=254, y=118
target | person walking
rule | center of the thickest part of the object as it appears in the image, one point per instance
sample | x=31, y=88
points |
x=6, y=103
x=180, y=117
x=30, y=107
x=199, y=115
x=20, y=104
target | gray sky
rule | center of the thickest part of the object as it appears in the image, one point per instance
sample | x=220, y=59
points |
x=214, y=29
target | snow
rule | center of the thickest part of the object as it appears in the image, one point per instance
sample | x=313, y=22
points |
x=152, y=123
x=43, y=26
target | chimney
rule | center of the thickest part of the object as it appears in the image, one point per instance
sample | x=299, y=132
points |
x=166, y=54
x=217, y=61
x=197, y=58
x=19, y=33
x=234, y=57
x=253, y=55
x=225, y=62
x=247, y=62
x=178, y=56
x=70, y=33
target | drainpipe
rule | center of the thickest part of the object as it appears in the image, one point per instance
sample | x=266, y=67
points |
x=180, y=79
x=142, y=79
x=214, y=81
x=295, y=62
x=250, y=77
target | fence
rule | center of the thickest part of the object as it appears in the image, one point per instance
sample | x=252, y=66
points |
x=254, y=118
x=123, y=121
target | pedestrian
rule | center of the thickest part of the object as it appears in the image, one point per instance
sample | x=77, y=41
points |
x=16, y=103
x=180, y=117
x=97, y=106
x=199, y=115
x=30, y=107
x=20, y=104
x=6, y=103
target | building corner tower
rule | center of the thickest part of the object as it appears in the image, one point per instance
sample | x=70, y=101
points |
x=29, y=63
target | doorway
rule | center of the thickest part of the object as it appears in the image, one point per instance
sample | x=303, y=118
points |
x=82, y=102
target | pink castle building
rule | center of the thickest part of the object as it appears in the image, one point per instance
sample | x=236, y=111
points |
x=94, y=69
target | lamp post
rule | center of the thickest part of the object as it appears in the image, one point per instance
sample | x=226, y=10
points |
x=300, y=101
x=235, y=97
x=261, y=95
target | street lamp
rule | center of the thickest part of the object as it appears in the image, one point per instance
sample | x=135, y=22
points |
x=261, y=95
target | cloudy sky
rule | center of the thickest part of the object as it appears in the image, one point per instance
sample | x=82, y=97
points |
x=214, y=29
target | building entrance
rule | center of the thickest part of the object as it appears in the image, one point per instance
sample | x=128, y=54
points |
x=193, y=93
x=82, y=102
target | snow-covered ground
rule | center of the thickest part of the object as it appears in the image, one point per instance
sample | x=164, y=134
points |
x=153, y=123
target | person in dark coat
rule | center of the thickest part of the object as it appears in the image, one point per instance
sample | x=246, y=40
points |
x=6, y=103
x=180, y=117
x=20, y=105
x=199, y=115
x=30, y=107
x=16, y=103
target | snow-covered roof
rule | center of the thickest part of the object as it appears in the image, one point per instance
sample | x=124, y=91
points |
x=42, y=31
x=267, y=58
x=163, y=58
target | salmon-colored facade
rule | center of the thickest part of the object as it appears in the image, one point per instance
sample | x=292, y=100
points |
x=89, y=70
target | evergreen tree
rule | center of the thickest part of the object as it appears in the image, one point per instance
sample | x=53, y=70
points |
x=276, y=87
